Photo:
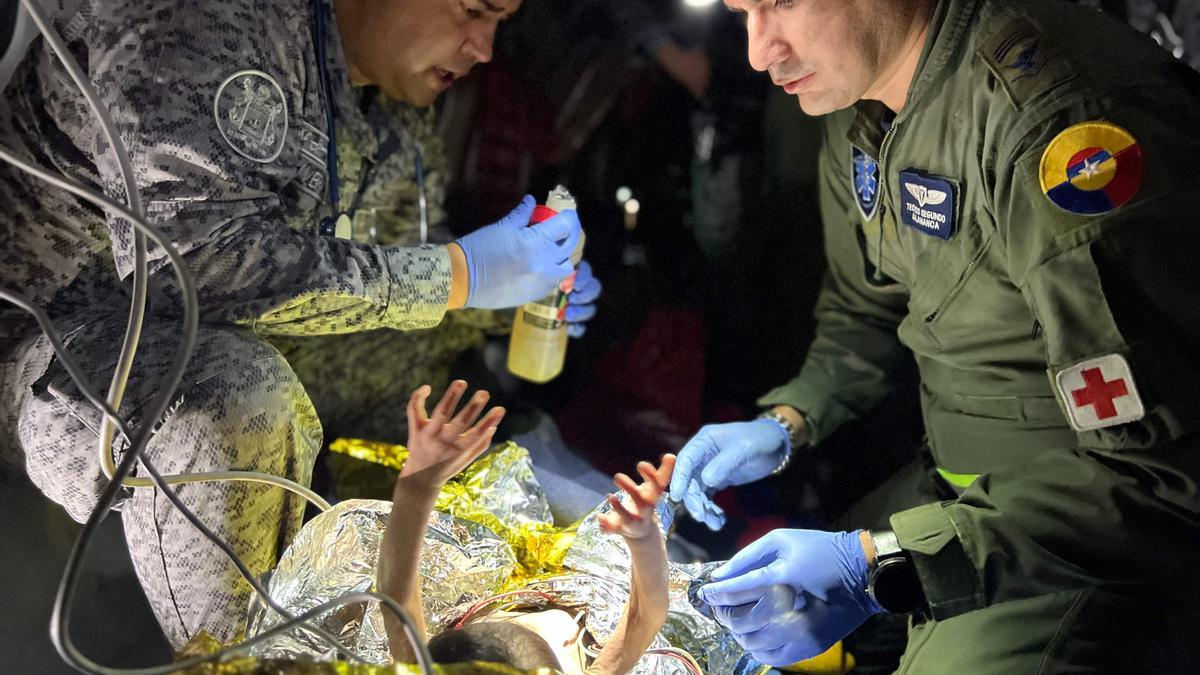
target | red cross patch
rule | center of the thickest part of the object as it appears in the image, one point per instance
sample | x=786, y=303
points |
x=1100, y=393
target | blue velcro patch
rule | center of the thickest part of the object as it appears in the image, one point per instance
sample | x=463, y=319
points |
x=928, y=204
x=866, y=182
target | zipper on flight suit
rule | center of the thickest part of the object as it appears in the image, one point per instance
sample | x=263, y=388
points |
x=886, y=196
x=962, y=282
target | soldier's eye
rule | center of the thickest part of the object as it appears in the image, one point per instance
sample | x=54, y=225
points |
x=472, y=12
x=785, y=4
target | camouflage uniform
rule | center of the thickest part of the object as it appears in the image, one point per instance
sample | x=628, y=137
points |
x=360, y=383
x=233, y=170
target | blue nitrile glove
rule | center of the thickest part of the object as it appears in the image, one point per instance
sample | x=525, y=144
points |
x=511, y=263
x=827, y=572
x=722, y=455
x=581, y=302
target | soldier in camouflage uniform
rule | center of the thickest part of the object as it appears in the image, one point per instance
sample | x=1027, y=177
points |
x=223, y=111
x=1011, y=206
x=356, y=381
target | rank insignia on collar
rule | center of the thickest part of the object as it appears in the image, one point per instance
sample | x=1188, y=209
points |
x=1092, y=168
x=928, y=204
x=252, y=115
x=1100, y=393
x=866, y=183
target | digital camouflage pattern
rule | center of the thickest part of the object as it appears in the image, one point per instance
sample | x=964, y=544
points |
x=267, y=282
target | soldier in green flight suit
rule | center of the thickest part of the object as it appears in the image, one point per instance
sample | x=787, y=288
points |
x=1009, y=198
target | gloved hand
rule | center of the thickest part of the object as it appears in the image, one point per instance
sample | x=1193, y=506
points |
x=722, y=455
x=510, y=263
x=581, y=306
x=827, y=574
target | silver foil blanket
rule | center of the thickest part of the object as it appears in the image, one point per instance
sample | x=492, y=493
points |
x=465, y=562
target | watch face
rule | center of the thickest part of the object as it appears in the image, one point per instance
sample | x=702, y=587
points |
x=895, y=586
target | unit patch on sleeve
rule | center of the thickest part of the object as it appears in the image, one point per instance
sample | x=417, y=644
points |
x=866, y=182
x=1092, y=168
x=928, y=204
x=1100, y=393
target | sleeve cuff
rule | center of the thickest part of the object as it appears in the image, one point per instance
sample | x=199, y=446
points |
x=821, y=413
x=950, y=582
x=420, y=287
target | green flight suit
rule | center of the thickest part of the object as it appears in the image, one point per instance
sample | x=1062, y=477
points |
x=1068, y=551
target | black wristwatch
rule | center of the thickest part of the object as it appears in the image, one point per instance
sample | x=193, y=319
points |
x=893, y=582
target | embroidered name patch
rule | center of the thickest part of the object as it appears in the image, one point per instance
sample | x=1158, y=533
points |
x=252, y=115
x=927, y=204
x=1092, y=168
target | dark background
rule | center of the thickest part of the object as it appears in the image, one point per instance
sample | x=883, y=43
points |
x=708, y=292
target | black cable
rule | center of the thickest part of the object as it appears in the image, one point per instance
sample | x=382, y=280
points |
x=63, y=603
x=80, y=379
x=59, y=628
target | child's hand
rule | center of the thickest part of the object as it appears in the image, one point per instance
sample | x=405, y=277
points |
x=441, y=446
x=641, y=521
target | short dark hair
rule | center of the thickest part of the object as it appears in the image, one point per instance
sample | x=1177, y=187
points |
x=504, y=643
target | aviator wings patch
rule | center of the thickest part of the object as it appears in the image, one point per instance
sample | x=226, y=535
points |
x=925, y=196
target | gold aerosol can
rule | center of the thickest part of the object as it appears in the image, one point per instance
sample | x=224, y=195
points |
x=538, y=346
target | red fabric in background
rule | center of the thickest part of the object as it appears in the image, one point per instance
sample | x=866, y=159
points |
x=514, y=138
x=647, y=399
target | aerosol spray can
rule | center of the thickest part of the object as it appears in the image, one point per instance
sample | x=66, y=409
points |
x=539, y=338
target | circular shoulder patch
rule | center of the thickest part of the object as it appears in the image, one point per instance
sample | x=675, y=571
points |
x=252, y=115
x=1092, y=168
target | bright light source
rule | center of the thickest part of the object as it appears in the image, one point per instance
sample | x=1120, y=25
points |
x=632, y=207
x=624, y=194
x=699, y=4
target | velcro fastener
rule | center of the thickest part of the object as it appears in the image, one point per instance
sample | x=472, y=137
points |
x=949, y=580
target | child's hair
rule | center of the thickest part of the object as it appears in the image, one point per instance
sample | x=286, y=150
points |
x=504, y=643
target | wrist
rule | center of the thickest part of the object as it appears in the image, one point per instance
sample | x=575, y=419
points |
x=416, y=482
x=792, y=435
x=644, y=542
x=799, y=422
x=460, y=277
x=868, y=545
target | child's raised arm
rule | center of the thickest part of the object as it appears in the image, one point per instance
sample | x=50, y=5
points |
x=439, y=447
x=634, y=519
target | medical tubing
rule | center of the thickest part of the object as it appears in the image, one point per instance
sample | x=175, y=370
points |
x=59, y=633
x=80, y=380
x=688, y=661
x=246, y=476
x=76, y=373
x=424, y=659
x=137, y=312
x=71, y=572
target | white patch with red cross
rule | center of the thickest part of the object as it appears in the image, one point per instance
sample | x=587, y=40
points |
x=1100, y=393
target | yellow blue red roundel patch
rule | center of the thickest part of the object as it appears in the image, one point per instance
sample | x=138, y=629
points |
x=1092, y=168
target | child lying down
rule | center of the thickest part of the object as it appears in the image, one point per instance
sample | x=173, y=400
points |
x=594, y=607
x=440, y=446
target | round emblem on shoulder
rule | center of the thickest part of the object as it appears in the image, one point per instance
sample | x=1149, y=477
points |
x=252, y=115
x=1092, y=168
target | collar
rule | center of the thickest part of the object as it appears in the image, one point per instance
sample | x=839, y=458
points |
x=948, y=30
x=346, y=97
